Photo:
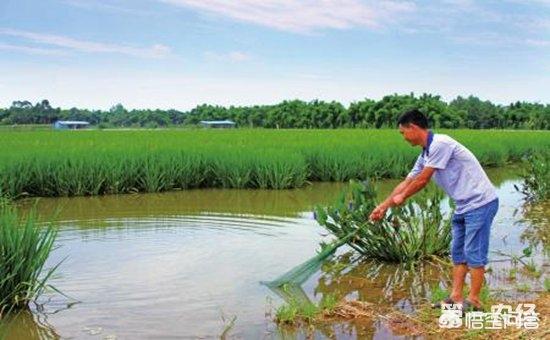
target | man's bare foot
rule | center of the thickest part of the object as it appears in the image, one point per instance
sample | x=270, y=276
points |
x=468, y=304
x=447, y=301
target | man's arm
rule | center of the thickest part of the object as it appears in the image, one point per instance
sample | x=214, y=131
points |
x=398, y=190
x=380, y=210
x=417, y=184
x=402, y=191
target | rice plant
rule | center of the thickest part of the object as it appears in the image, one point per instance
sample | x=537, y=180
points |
x=232, y=171
x=4, y=200
x=46, y=163
x=24, y=249
x=279, y=171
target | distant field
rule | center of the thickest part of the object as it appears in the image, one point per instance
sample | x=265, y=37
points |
x=25, y=127
x=64, y=163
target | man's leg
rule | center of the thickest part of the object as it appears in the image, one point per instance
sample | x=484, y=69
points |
x=459, y=275
x=476, y=277
x=460, y=269
x=478, y=229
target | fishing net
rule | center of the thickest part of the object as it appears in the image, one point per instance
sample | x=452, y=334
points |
x=299, y=274
x=365, y=197
x=411, y=232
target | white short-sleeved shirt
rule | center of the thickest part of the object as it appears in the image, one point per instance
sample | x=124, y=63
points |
x=457, y=172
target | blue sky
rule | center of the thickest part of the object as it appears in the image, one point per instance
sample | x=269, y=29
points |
x=180, y=53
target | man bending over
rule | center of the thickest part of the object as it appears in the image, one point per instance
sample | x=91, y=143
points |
x=457, y=171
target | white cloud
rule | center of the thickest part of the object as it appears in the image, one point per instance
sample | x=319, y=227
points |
x=71, y=44
x=533, y=25
x=531, y=2
x=303, y=16
x=32, y=50
x=496, y=39
x=108, y=6
x=538, y=43
x=234, y=56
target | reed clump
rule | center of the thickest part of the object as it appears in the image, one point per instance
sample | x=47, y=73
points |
x=24, y=248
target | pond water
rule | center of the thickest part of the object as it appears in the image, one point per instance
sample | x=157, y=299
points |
x=184, y=264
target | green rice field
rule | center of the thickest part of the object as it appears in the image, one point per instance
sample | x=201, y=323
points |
x=94, y=162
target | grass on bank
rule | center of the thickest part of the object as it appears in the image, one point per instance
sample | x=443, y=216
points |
x=297, y=311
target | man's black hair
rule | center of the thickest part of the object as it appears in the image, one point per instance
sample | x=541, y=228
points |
x=415, y=117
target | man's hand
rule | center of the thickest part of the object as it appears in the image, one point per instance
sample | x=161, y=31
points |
x=378, y=213
x=404, y=190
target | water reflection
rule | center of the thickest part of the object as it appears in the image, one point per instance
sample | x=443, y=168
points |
x=286, y=203
x=401, y=285
x=537, y=233
x=27, y=325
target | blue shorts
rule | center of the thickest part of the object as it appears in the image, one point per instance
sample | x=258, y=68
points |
x=471, y=230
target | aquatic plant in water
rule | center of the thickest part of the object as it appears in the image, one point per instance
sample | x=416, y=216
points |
x=24, y=249
x=414, y=231
x=536, y=177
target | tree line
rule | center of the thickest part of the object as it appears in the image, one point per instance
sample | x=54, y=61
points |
x=462, y=112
